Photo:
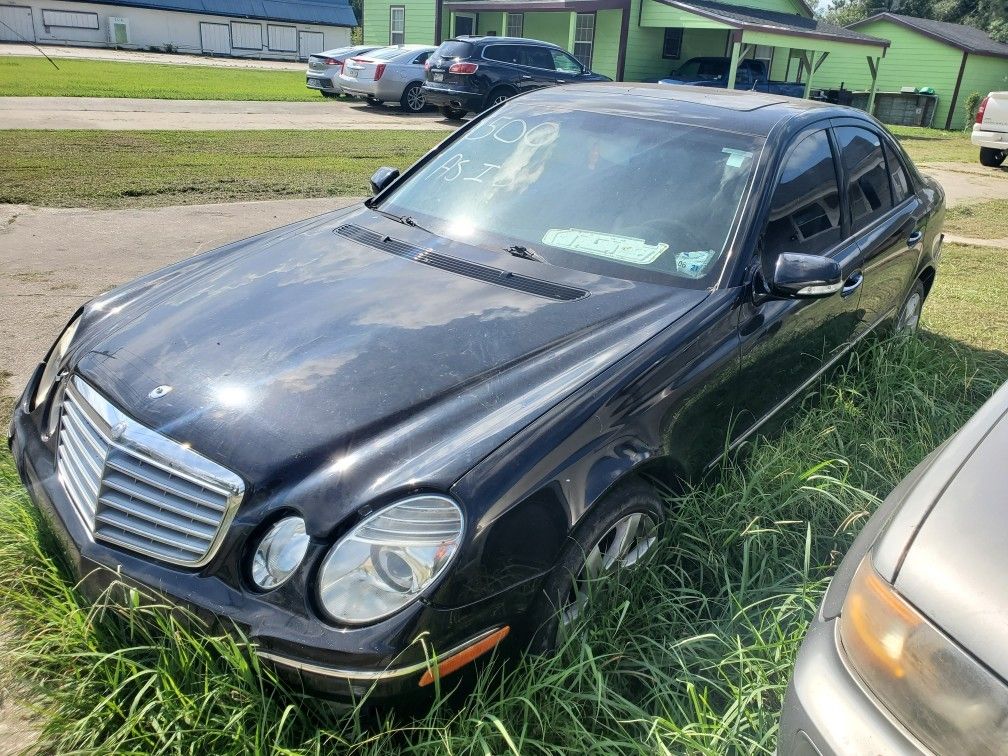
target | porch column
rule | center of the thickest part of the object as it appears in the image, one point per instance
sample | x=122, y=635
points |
x=571, y=32
x=809, y=60
x=736, y=53
x=873, y=66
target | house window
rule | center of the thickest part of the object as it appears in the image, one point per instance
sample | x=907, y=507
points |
x=584, y=38
x=397, y=25
x=672, y=46
x=764, y=53
x=515, y=24
x=70, y=19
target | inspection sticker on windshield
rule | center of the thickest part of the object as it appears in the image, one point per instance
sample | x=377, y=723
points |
x=621, y=248
x=694, y=264
x=736, y=158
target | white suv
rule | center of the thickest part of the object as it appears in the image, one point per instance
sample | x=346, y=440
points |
x=990, y=132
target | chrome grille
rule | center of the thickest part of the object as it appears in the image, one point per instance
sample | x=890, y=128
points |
x=137, y=489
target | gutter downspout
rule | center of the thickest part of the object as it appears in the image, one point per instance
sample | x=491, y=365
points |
x=955, y=92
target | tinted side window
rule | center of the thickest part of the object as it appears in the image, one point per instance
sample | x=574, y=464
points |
x=564, y=62
x=421, y=58
x=867, y=177
x=503, y=53
x=900, y=180
x=537, y=57
x=805, y=210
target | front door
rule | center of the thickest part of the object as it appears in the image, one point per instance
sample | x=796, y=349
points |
x=464, y=26
x=215, y=38
x=786, y=342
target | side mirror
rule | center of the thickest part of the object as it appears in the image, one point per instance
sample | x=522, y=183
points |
x=805, y=276
x=382, y=178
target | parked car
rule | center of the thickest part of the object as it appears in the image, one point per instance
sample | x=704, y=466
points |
x=324, y=68
x=750, y=74
x=438, y=413
x=470, y=74
x=909, y=651
x=389, y=74
x=990, y=132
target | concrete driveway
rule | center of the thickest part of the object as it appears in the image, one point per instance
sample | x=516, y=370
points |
x=140, y=56
x=56, y=259
x=118, y=113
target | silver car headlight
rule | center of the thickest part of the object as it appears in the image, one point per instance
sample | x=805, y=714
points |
x=53, y=362
x=280, y=552
x=941, y=694
x=389, y=559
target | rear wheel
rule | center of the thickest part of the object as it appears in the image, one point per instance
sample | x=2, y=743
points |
x=910, y=313
x=497, y=96
x=413, y=98
x=617, y=534
x=991, y=158
x=452, y=114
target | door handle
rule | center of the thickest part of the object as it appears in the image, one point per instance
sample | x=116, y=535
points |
x=915, y=238
x=561, y=81
x=852, y=284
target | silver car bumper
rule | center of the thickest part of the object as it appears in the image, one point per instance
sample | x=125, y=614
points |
x=384, y=90
x=326, y=81
x=828, y=711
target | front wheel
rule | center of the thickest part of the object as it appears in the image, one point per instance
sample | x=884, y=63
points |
x=617, y=534
x=413, y=98
x=991, y=158
x=497, y=96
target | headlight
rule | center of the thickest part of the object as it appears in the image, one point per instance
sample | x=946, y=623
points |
x=389, y=559
x=279, y=552
x=53, y=362
x=939, y=692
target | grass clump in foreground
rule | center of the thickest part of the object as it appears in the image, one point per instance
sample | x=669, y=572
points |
x=979, y=220
x=149, y=168
x=691, y=652
x=22, y=76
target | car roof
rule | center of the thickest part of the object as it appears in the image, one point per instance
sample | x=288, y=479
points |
x=482, y=40
x=743, y=111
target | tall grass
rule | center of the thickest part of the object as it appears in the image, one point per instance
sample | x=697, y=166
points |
x=691, y=652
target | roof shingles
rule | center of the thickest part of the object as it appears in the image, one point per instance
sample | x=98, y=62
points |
x=967, y=38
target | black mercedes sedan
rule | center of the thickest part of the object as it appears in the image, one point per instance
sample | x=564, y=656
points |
x=430, y=421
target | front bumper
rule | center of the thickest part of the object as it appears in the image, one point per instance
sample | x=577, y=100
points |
x=828, y=711
x=995, y=140
x=382, y=661
x=454, y=98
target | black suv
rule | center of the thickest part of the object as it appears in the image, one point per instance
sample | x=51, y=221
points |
x=469, y=74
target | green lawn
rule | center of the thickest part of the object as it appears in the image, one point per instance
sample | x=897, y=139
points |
x=22, y=76
x=935, y=146
x=145, y=168
x=979, y=220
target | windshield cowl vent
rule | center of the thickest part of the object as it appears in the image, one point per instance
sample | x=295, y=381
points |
x=487, y=273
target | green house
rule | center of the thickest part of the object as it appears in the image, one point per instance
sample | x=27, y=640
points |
x=952, y=59
x=640, y=40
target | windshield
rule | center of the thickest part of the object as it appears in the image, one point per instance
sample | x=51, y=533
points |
x=598, y=192
x=454, y=49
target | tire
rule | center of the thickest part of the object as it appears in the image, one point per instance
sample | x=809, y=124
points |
x=908, y=318
x=373, y=102
x=452, y=114
x=991, y=158
x=413, y=99
x=497, y=96
x=566, y=589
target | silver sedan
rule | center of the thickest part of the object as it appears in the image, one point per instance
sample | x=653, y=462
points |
x=909, y=652
x=389, y=74
x=324, y=68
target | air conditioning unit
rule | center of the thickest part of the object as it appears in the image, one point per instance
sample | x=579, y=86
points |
x=118, y=30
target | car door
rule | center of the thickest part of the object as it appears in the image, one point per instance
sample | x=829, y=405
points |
x=567, y=68
x=785, y=343
x=887, y=218
x=536, y=68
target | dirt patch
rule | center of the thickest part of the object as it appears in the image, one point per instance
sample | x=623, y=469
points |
x=964, y=183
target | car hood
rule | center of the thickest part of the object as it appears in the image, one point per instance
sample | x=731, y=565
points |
x=956, y=567
x=323, y=369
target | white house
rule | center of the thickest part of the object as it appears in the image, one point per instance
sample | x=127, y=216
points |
x=278, y=29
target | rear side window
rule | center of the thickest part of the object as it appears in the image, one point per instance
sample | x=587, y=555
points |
x=564, y=62
x=454, y=49
x=867, y=178
x=900, y=180
x=805, y=210
x=502, y=53
x=537, y=57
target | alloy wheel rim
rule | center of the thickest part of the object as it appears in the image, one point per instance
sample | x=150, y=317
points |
x=621, y=547
x=499, y=99
x=910, y=316
x=415, y=99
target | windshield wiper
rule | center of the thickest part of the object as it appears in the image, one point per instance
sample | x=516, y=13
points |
x=524, y=253
x=406, y=220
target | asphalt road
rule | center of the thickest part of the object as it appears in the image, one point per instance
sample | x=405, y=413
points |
x=120, y=113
